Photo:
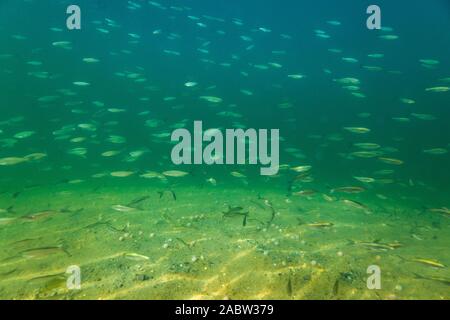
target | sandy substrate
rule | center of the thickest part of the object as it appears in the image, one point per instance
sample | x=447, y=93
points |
x=187, y=249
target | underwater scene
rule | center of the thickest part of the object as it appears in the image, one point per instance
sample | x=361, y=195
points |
x=325, y=174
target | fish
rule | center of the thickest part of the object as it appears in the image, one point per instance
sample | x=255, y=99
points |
x=355, y=204
x=305, y=193
x=296, y=76
x=116, y=139
x=10, y=209
x=122, y=208
x=265, y=30
x=49, y=282
x=211, y=99
x=136, y=256
x=348, y=190
x=275, y=65
x=376, y=55
x=122, y=174
x=392, y=161
x=389, y=37
x=43, y=252
x=102, y=30
x=7, y=273
x=116, y=110
x=401, y=119
x=246, y=92
x=11, y=161
x=322, y=35
x=111, y=153
x=152, y=174
x=81, y=83
x=348, y=81
x=6, y=221
x=407, y=101
x=137, y=153
x=235, y=211
x=367, y=145
x=359, y=95
x=367, y=154
x=373, y=68
x=384, y=172
x=78, y=139
x=301, y=177
x=238, y=174
x=328, y=198
x=289, y=286
x=429, y=61
x=365, y=179
x=24, y=242
x=375, y=245
x=443, y=280
x=81, y=152
x=442, y=210
x=320, y=224
x=436, y=151
x=351, y=88
x=175, y=173
x=336, y=287
x=87, y=126
x=244, y=221
x=438, y=89
x=91, y=60
x=40, y=215
x=300, y=169
x=63, y=44
x=24, y=134
x=349, y=59
x=161, y=194
x=429, y=262
x=137, y=201
x=358, y=130
x=188, y=245
x=107, y=224
x=334, y=22
x=423, y=116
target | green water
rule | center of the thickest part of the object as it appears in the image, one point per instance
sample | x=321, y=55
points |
x=87, y=179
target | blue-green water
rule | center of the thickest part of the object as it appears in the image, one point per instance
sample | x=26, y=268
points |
x=87, y=177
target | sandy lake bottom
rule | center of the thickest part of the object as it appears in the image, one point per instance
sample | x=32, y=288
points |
x=186, y=248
